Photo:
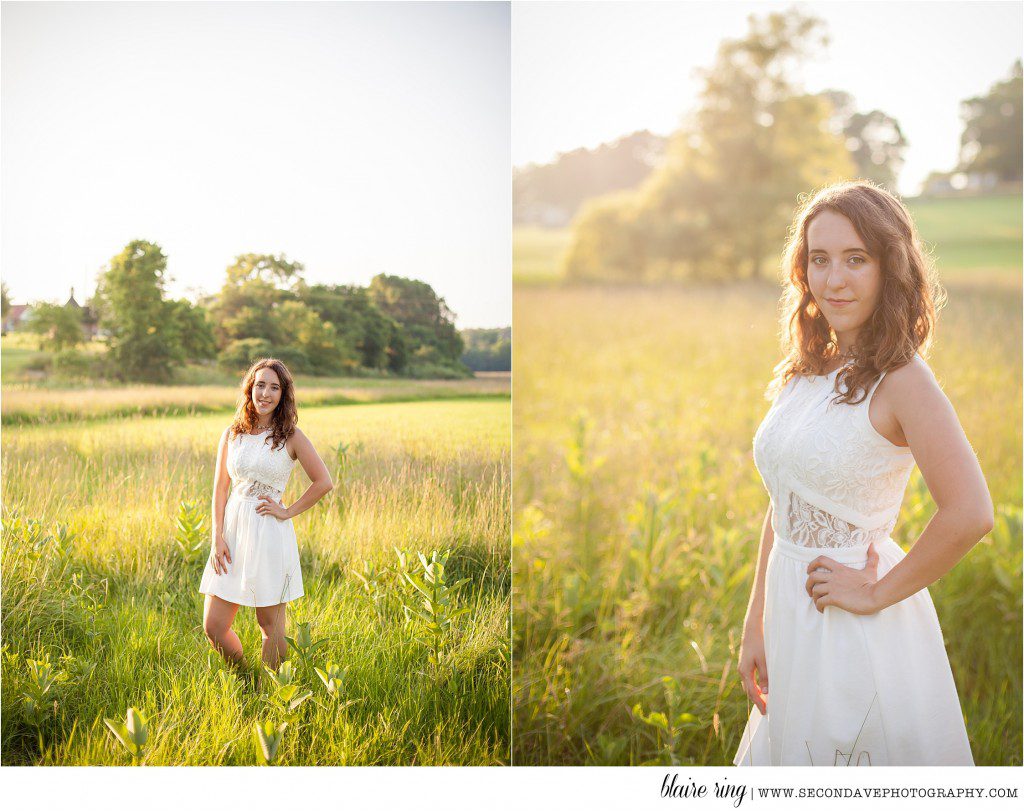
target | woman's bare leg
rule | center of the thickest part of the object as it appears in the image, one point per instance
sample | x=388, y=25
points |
x=218, y=615
x=271, y=620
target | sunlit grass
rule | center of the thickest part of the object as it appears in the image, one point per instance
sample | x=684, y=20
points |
x=123, y=600
x=29, y=405
x=638, y=511
x=537, y=253
x=971, y=238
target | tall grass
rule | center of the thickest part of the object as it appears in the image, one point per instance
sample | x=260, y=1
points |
x=32, y=405
x=638, y=512
x=121, y=598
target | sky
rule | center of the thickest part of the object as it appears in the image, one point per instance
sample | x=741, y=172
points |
x=356, y=138
x=587, y=73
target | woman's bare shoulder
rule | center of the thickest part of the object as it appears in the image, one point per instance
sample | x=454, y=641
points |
x=913, y=377
x=297, y=440
x=911, y=388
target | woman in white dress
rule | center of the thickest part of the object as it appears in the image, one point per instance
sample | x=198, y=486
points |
x=254, y=559
x=842, y=654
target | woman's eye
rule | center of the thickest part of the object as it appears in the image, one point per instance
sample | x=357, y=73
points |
x=857, y=260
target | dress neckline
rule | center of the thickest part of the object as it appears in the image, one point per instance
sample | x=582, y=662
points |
x=832, y=373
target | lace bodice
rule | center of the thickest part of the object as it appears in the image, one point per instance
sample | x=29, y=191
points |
x=256, y=469
x=834, y=481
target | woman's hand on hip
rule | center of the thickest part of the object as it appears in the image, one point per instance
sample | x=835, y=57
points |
x=853, y=590
x=753, y=666
x=268, y=506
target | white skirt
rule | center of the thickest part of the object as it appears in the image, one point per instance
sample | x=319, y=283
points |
x=264, y=568
x=852, y=690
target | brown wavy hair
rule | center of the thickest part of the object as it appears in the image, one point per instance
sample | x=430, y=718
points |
x=285, y=416
x=902, y=324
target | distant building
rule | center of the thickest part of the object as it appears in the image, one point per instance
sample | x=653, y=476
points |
x=90, y=321
x=20, y=314
x=17, y=317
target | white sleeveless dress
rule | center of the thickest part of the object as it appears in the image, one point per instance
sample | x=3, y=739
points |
x=843, y=689
x=264, y=568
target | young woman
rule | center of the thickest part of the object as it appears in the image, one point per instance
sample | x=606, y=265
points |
x=842, y=654
x=254, y=558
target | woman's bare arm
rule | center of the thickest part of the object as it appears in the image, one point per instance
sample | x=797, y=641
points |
x=755, y=606
x=221, y=484
x=320, y=477
x=954, y=478
x=753, y=664
x=220, y=555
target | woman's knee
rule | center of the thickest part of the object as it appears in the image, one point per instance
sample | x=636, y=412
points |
x=214, y=629
x=271, y=622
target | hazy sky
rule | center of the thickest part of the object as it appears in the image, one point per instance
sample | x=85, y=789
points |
x=584, y=73
x=356, y=138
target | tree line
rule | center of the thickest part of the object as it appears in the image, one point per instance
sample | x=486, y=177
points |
x=265, y=308
x=488, y=350
x=717, y=202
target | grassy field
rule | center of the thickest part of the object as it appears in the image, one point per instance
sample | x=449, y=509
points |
x=975, y=238
x=28, y=405
x=638, y=511
x=113, y=609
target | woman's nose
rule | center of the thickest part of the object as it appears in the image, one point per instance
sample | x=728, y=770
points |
x=836, y=280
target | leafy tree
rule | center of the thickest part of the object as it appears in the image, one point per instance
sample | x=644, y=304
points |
x=720, y=202
x=360, y=326
x=992, y=140
x=5, y=300
x=130, y=296
x=267, y=267
x=58, y=327
x=243, y=353
x=488, y=350
x=315, y=339
x=423, y=315
x=874, y=139
x=191, y=330
x=552, y=193
x=247, y=304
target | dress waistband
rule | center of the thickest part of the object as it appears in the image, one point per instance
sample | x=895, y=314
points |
x=855, y=556
x=254, y=491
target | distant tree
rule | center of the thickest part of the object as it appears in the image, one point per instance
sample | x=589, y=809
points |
x=57, y=326
x=551, y=194
x=5, y=300
x=130, y=296
x=719, y=204
x=874, y=139
x=488, y=350
x=243, y=353
x=255, y=286
x=256, y=310
x=992, y=139
x=423, y=315
x=305, y=331
x=267, y=267
x=359, y=325
x=192, y=330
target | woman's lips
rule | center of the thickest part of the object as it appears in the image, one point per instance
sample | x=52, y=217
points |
x=839, y=303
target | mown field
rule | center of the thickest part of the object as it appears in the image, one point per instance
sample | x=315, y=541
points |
x=976, y=238
x=101, y=602
x=637, y=513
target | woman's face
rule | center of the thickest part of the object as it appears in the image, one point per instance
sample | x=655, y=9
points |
x=845, y=280
x=266, y=393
